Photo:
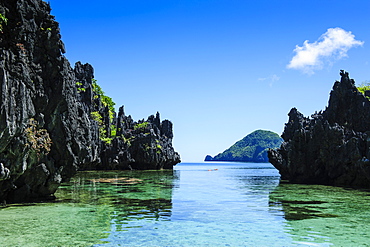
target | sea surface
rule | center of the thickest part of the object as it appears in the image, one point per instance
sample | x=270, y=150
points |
x=197, y=204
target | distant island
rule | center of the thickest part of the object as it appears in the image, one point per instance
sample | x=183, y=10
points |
x=252, y=148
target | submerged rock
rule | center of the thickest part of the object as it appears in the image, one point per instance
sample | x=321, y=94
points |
x=47, y=126
x=331, y=147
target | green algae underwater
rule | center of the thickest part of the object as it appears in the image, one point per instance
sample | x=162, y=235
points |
x=212, y=204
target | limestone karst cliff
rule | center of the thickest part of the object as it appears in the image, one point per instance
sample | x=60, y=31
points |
x=332, y=147
x=52, y=120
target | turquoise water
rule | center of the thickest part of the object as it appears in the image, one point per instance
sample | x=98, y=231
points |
x=205, y=204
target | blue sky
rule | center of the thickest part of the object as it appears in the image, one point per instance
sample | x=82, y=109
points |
x=217, y=69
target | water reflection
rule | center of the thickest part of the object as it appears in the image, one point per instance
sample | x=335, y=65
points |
x=131, y=195
x=209, y=206
x=323, y=215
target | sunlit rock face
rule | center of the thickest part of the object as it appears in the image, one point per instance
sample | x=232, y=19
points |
x=333, y=146
x=47, y=131
x=43, y=126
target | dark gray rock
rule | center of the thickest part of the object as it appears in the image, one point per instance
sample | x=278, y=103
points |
x=331, y=147
x=47, y=131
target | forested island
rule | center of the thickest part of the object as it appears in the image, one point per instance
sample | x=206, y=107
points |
x=252, y=148
x=55, y=119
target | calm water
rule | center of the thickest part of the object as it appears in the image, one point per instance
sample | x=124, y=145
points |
x=205, y=204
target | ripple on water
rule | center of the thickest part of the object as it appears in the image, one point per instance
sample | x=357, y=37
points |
x=233, y=204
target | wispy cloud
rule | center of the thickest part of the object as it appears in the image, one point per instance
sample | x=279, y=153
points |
x=332, y=45
x=271, y=79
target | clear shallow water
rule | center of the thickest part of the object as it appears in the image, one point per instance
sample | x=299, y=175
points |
x=205, y=204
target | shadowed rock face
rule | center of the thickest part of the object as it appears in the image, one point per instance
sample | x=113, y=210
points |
x=143, y=145
x=146, y=144
x=331, y=147
x=47, y=132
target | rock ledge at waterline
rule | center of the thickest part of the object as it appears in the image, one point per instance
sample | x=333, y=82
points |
x=53, y=121
x=332, y=147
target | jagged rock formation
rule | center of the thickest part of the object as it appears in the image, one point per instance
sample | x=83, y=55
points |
x=126, y=144
x=252, y=148
x=331, y=147
x=47, y=129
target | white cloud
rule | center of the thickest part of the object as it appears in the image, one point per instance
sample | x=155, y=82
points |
x=271, y=79
x=332, y=45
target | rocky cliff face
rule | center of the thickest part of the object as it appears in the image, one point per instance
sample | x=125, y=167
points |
x=123, y=142
x=331, y=147
x=48, y=129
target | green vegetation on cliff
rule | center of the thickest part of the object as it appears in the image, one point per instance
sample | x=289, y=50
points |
x=365, y=86
x=3, y=20
x=106, y=133
x=252, y=148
